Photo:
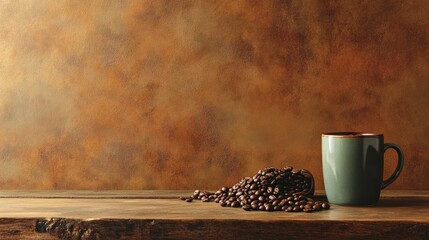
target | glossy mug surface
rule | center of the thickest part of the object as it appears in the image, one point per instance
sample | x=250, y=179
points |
x=353, y=167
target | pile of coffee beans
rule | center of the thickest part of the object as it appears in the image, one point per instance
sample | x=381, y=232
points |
x=270, y=189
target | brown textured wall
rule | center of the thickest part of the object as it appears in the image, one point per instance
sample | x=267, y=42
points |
x=197, y=94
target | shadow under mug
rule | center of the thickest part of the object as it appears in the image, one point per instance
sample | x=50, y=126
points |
x=353, y=165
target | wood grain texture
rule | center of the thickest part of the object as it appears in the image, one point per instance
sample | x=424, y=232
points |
x=199, y=93
x=398, y=215
x=252, y=229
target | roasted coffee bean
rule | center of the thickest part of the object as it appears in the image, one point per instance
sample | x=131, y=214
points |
x=235, y=204
x=309, y=210
x=289, y=209
x=253, y=197
x=255, y=202
x=189, y=199
x=297, y=209
x=317, y=207
x=277, y=208
x=258, y=193
x=246, y=207
x=268, y=207
x=275, y=202
x=262, y=199
x=308, y=206
x=326, y=206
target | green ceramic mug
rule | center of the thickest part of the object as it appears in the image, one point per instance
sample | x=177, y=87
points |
x=353, y=167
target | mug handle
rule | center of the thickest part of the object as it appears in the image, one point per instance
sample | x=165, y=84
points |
x=398, y=167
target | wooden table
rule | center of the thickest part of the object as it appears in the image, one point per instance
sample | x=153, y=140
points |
x=161, y=215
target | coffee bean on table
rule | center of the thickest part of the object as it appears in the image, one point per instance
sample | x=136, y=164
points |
x=246, y=207
x=317, y=207
x=297, y=209
x=270, y=189
x=326, y=206
x=276, y=202
x=268, y=207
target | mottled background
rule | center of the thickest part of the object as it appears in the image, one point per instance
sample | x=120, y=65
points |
x=197, y=94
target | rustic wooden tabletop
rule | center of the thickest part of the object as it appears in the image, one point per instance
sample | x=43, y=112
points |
x=160, y=215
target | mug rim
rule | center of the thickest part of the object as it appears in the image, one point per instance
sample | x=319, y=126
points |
x=351, y=134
